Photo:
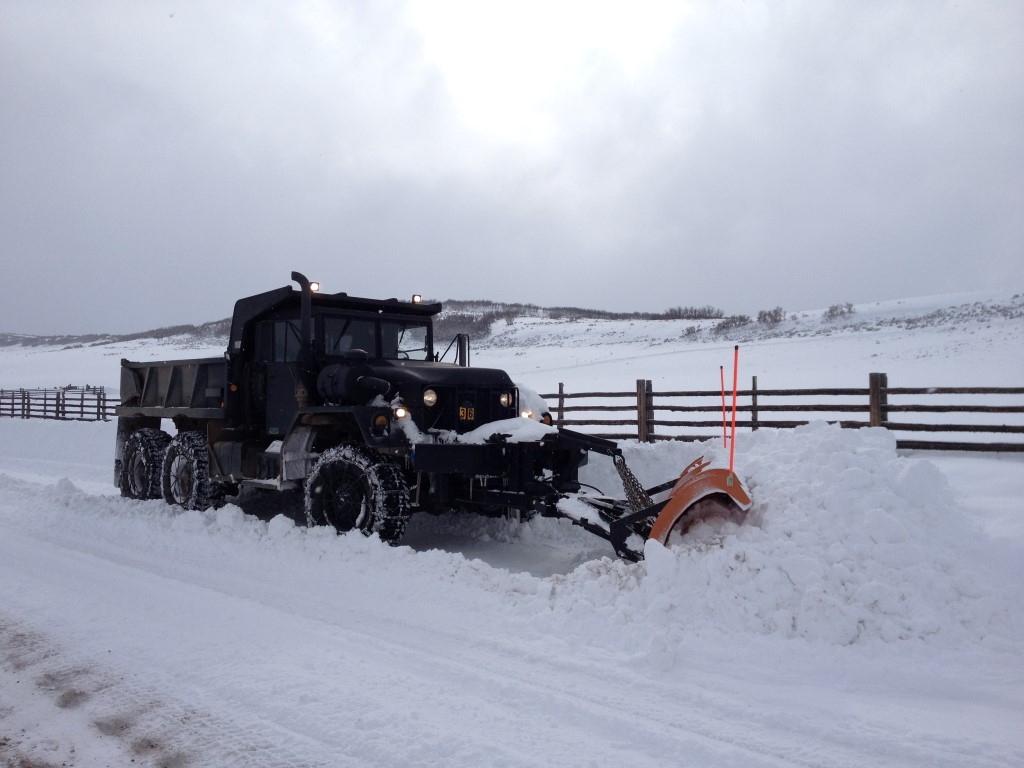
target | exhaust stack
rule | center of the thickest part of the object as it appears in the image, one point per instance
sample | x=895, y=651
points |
x=305, y=376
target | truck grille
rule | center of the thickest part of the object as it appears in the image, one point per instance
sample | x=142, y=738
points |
x=463, y=410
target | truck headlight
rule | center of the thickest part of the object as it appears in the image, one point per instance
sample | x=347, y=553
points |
x=505, y=399
x=429, y=398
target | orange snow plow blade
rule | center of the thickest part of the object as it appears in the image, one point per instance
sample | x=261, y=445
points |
x=700, y=492
x=663, y=513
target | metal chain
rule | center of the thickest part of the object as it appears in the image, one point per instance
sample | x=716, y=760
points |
x=635, y=493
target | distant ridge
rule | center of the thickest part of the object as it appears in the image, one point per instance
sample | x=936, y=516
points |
x=456, y=312
x=481, y=319
x=212, y=330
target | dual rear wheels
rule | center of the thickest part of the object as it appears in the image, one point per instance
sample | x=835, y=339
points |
x=350, y=487
x=185, y=473
x=141, y=463
x=178, y=470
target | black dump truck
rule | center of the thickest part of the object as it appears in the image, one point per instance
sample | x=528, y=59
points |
x=347, y=399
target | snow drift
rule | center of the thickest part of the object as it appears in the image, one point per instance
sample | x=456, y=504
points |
x=846, y=543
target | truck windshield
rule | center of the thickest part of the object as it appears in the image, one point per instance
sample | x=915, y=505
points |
x=388, y=339
x=345, y=334
x=405, y=339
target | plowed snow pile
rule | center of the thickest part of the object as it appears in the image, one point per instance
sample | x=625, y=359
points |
x=846, y=543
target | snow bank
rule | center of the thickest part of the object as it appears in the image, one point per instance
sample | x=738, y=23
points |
x=846, y=543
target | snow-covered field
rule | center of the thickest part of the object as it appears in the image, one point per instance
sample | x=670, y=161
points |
x=869, y=612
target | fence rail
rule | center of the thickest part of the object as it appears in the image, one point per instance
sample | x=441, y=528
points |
x=984, y=412
x=68, y=403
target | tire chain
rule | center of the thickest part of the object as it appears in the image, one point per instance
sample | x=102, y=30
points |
x=152, y=443
x=389, y=494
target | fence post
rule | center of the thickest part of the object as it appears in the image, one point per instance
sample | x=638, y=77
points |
x=753, y=405
x=641, y=410
x=878, y=399
x=649, y=412
x=561, y=404
x=24, y=403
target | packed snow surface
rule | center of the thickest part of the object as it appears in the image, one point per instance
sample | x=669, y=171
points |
x=867, y=612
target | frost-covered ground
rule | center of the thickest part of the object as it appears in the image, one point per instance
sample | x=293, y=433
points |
x=868, y=613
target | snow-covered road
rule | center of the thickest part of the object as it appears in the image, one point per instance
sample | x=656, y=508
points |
x=131, y=631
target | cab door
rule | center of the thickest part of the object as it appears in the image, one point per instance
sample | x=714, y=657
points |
x=280, y=345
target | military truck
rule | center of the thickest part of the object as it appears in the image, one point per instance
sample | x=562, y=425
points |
x=350, y=400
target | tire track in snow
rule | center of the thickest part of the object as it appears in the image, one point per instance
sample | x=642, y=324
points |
x=82, y=712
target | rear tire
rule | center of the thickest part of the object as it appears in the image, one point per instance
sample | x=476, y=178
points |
x=185, y=473
x=141, y=463
x=354, y=488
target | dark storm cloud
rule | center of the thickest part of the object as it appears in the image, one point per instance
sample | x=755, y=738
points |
x=160, y=160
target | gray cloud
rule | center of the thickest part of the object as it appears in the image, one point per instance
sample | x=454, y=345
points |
x=155, y=166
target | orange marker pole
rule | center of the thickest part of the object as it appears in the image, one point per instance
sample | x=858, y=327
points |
x=735, y=381
x=725, y=420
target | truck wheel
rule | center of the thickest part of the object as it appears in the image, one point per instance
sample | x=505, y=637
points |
x=185, y=474
x=141, y=462
x=353, y=488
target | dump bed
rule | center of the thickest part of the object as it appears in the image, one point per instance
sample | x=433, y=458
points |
x=171, y=388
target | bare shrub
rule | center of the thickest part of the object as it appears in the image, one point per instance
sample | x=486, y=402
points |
x=771, y=317
x=691, y=313
x=837, y=312
x=731, y=323
x=476, y=326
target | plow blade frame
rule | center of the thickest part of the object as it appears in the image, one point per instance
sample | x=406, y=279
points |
x=697, y=482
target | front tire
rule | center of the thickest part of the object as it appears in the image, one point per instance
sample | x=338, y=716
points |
x=185, y=474
x=141, y=463
x=354, y=488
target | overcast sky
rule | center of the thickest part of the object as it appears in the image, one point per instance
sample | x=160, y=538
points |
x=160, y=159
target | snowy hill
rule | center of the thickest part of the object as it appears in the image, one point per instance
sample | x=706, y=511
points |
x=868, y=611
x=950, y=340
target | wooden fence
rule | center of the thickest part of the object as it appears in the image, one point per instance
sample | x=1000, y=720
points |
x=71, y=403
x=993, y=417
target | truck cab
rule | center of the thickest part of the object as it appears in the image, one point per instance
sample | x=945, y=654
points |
x=356, y=353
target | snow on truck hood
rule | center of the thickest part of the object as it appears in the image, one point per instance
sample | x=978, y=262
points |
x=518, y=430
x=515, y=430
